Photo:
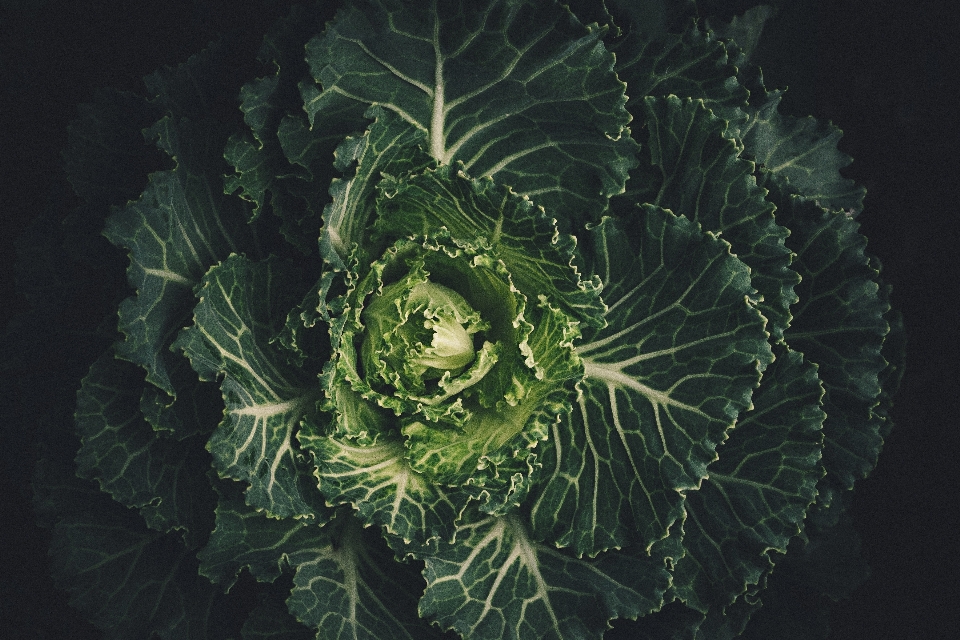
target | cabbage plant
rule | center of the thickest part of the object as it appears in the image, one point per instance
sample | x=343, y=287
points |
x=498, y=319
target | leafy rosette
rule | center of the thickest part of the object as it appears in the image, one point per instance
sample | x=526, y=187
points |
x=510, y=319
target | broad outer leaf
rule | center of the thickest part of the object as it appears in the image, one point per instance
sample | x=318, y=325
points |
x=174, y=234
x=242, y=305
x=802, y=152
x=826, y=563
x=653, y=19
x=665, y=379
x=182, y=223
x=695, y=171
x=282, y=164
x=196, y=409
x=516, y=90
x=497, y=582
x=840, y=325
x=163, y=477
x=247, y=538
x=692, y=65
x=757, y=493
x=377, y=479
x=744, y=29
x=129, y=580
x=355, y=588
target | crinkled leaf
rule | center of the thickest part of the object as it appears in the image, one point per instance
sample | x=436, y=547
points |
x=494, y=452
x=744, y=29
x=247, y=538
x=182, y=223
x=497, y=582
x=537, y=256
x=476, y=427
x=391, y=146
x=693, y=64
x=839, y=324
x=516, y=90
x=163, y=477
x=894, y=354
x=255, y=166
x=355, y=588
x=377, y=479
x=129, y=580
x=665, y=379
x=197, y=88
x=282, y=164
x=696, y=172
x=305, y=337
x=653, y=19
x=242, y=305
x=802, y=152
x=756, y=495
x=196, y=409
x=179, y=227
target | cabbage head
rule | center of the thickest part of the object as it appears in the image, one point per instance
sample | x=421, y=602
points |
x=490, y=319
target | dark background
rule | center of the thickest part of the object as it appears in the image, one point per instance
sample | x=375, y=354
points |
x=878, y=69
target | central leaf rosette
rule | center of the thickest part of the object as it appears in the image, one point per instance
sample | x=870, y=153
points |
x=454, y=353
x=421, y=340
x=455, y=359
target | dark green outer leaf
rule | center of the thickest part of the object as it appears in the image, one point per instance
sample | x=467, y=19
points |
x=129, y=580
x=106, y=157
x=894, y=352
x=496, y=582
x=182, y=224
x=179, y=227
x=355, y=588
x=693, y=170
x=665, y=379
x=197, y=408
x=840, y=325
x=802, y=152
x=653, y=19
x=744, y=29
x=284, y=166
x=516, y=90
x=161, y=476
x=377, y=479
x=828, y=564
x=242, y=306
x=693, y=64
x=247, y=538
x=757, y=494
x=198, y=88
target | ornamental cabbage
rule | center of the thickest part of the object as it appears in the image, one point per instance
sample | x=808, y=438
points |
x=508, y=320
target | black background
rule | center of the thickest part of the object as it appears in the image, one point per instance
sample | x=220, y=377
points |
x=881, y=70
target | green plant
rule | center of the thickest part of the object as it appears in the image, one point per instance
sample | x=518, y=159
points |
x=501, y=322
